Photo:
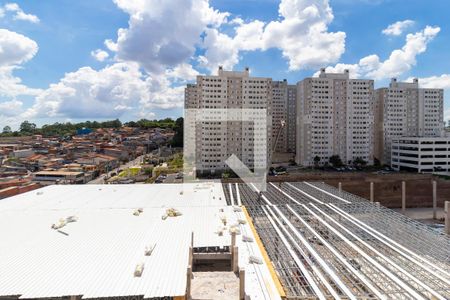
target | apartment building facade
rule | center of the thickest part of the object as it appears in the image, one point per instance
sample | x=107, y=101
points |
x=335, y=116
x=406, y=110
x=284, y=111
x=291, y=123
x=421, y=154
x=279, y=115
x=216, y=140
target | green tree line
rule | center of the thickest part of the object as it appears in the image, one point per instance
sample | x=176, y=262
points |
x=66, y=129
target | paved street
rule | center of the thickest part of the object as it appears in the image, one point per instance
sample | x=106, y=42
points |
x=135, y=162
x=170, y=178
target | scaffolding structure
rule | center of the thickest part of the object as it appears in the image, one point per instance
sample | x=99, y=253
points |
x=329, y=244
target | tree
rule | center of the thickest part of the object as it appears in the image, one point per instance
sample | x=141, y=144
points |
x=376, y=162
x=177, y=140
x=27, y=127
x=7, y=129
x=316, y=161
x=359, y=162
x=131, y=124
x=336, y=161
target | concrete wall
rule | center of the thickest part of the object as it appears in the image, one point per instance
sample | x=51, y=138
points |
x=387, y=188
x=16, y=190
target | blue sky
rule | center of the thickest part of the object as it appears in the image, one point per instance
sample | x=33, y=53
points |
x=64, y=60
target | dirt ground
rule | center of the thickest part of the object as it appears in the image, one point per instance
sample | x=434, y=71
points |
x=215, y=286
x=424, y=214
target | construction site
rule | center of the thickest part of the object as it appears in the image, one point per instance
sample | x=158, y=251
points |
x=329, y=244
x=212, y=240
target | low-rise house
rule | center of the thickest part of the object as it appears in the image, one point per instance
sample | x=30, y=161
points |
x=103, y=163
x=22, y=153
x=58, y=176
x=117, y=153
x=13, y=171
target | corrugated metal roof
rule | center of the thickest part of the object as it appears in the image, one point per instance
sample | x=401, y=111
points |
x=97, y=255
x=58, y=197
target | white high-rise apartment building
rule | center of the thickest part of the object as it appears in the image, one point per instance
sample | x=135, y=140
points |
x=335, y=117
x=284, y=110
x=216, y=141
x=279, y=115
x=291, y=123
x=405, y=110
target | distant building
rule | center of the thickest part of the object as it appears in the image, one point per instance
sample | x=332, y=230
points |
x=22, y=153
x=421, y=154
x=216, y=141
x=284, y=110
x=52, y=177
x=291, y=123
x=405, y=109
x=84, y=131
x=334, y=117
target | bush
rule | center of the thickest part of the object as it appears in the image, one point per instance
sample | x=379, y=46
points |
x=148, y=171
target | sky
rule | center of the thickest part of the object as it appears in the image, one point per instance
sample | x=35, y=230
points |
x=65, y=60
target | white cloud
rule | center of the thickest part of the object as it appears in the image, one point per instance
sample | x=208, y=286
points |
x=447, y=115
x=86, y=93
x=20, y=14
x=301, y=34
x=164, y=96
x=10, y=108
x=111, y=45
x=399, y=61
x=435, y=82
x=12, y=86
x=9, y=112
x=106, y=93
x=184, y=72
x=403, y=60
x=146, y=115
x=99, y=54
x=398, y=27
x=15, y=50
x=220, y=50
x=163, y=34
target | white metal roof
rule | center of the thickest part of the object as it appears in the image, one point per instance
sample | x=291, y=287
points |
x=57, y=197
x=97, y=255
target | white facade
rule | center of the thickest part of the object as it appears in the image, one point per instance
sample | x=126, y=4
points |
x=335, y=116
x=405, y=109
x=217, y=141
x=291, y=123
x=279, y=114
x=22, y=153
x=421, y=154
x=284, y=109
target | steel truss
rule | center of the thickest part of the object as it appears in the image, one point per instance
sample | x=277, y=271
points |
x=327, y=244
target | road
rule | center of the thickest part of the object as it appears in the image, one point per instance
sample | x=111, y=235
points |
x=101, y=178
x=170, y=178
